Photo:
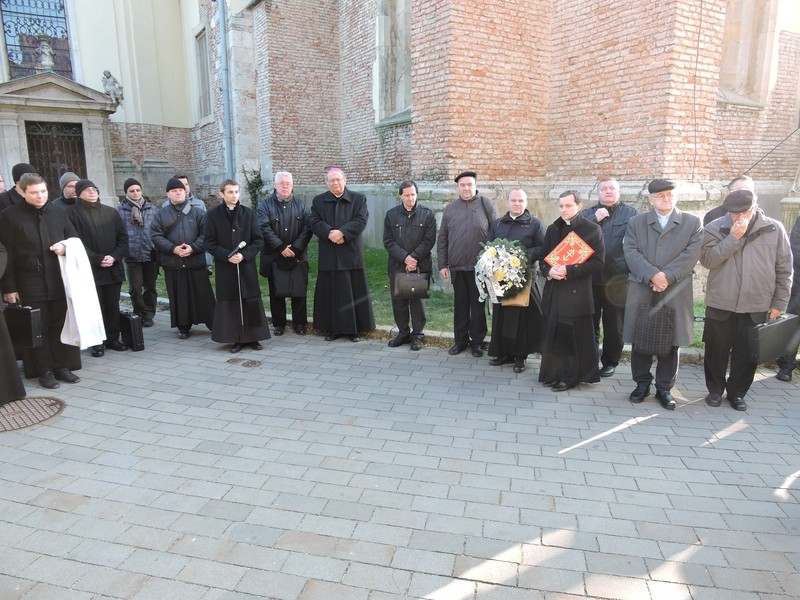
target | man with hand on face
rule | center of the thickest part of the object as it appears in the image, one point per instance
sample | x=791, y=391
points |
x=103, y=234
x=233, y=238
x=32, y=232
x=610, y=286
x=662, y=247
x=465, y=222
x=342, y=304
x=178, y=234
x=68, y=195
x=569, y=354
x=409, y=233
x=749, y=264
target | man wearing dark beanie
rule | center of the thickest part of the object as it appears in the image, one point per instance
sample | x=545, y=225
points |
x=14, y=195
x=67, y=184
x=103, y=235
x=137, y=213
x=178, y=234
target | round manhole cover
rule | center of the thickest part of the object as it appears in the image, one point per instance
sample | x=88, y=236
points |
x=28, y=411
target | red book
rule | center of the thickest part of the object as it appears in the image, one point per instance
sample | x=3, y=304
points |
x=571, y=251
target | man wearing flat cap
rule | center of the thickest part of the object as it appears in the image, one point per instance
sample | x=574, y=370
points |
x=661, y=248
x=465, y=222
x=749, y=264
x=103, y=234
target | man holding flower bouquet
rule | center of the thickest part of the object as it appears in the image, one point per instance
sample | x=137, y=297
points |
x=573, y=251
x=517, y=328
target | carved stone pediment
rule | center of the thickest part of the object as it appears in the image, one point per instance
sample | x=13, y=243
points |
x=51, y=91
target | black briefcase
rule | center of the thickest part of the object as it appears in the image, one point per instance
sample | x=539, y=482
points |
x=24, y=325
x=772, y=339
x=130, y=328
x=411, y=286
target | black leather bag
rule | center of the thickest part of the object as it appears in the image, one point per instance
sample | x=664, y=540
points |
x=24, y=325
x=130, y=328
x=411, y=286
x=772, y=339
x=655, y=327
x=291, y=282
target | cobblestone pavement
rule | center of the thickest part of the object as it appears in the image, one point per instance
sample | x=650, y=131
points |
x=333, y=470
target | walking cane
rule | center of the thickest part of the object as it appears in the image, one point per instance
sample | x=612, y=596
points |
x=241, y=245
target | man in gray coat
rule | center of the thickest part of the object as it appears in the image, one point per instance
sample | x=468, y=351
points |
x=661, y=247
x=749, y=278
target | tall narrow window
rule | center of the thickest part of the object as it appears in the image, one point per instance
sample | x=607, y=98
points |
x=394, y=58
x=36, y=37
x=201, y=44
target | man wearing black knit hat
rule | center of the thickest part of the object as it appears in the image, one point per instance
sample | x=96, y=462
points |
x=103, y=235
x=15, y=195
x=749, y=264
x=137, y=213
x=178, y=235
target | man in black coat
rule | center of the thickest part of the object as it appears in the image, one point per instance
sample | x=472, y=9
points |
x=233, y=238
x=32, y=232
x=409, y=233
x=12, y=387
x=284, y=224
x=105, y=238
x=14, y=195
x=610, y=286
x=342, y=304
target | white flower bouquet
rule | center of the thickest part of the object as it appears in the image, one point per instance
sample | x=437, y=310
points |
x=502, y=271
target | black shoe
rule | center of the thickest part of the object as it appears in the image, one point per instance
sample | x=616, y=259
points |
x=299, y=329
x=549, y=383
x=561, y=386
x=279, y=330
x=416, y=344
x=737, y=402
x=48, y=380
x=399, y=341
x=147, y=321
x=116, y=345
x=355, y=338
x=457, y=349
x=237, y=347
x=641, y=392
x=713, y=399
x=665, y=399
x=519, y=365
x=256, y=345
x=98, y=351
x=331, y=336
x=501, y=360
x=607, y=371
x=65, y=375
x=182, y=335
x=477, y=351
x=784, y=374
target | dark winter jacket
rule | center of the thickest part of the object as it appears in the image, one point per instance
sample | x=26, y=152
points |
x=225, y=229
x=11, y=197
x=526, y=229
x=349, y=215
x=614, y=227
x=27, y=233
x=409, y=233
x=283, y=224
x=464, y=227
x=140, y=244
x=175, y=225
x=103, y=234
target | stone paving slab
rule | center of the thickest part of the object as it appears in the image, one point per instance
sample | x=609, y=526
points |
x=316, y=470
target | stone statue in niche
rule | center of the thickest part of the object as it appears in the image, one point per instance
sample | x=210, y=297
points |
x=46, y=56
x=112, y=88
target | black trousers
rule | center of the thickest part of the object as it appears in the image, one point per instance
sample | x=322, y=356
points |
x=727, y=340
x=142, y=287
x=108, y=295
x=51, y=354
x=666, y=369
x=469, y=313
x=277, y=307
x=609, y=307
x=402, y=308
